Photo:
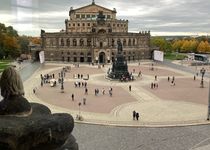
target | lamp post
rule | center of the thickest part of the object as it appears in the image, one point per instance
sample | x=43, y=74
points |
x=79, y=117
x=208, y=115
x=152, y=68
x=62, y=87
x=202, y=71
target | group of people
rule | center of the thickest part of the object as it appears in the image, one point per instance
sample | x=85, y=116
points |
x=154, y=85
x=172, y=81
x=103, y=91
x=80, y=76
x=46, y=78
x=135, y=115
x=80, y=84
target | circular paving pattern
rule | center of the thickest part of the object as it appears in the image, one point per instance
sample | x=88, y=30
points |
x=184, y=103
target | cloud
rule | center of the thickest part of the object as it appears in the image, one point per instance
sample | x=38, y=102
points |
x=161, y=17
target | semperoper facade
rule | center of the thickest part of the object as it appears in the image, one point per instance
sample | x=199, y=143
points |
x=91, y=34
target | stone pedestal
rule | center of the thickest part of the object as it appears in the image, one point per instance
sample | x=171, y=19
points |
x=119, y=68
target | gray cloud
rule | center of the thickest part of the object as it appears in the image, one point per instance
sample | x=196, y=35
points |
x=158, y=16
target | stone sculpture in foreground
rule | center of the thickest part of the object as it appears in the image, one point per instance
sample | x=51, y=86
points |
x=30, y=126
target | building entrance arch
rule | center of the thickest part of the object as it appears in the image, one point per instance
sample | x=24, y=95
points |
x=37, y=56
x=102, y=57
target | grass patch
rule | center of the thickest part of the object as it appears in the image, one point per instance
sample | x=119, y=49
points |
x=174, y=56
x=4, y=64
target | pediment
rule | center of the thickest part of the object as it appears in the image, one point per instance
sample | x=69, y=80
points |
x=93, y=8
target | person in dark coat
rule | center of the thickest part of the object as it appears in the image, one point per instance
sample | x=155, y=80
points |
x=134, y=115
x=137, y=116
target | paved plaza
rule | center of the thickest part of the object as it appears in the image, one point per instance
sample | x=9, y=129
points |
x=184, y=103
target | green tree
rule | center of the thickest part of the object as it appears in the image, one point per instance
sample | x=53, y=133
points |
x=11, y=46
x=161, y=43
x=11, y=32
x=23, y=42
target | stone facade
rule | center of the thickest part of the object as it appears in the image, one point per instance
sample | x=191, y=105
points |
x=91, y=35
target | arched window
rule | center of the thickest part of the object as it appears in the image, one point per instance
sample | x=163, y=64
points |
x=74, y=53
x=62, y=42
x=134, y=42
x=129, y=42
x=82, y=53
x=74, y=42
x=89, y=53
x=112, y=42
x=124, y=42
x=88, y=42
x=68, y=42
x=81, y=42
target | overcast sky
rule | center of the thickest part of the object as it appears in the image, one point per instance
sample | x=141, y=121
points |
x=161, y=17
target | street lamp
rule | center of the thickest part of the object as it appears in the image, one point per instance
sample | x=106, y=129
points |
x=208, y=115
x=79, y=117
x=152, y=68
x=62, y=87
x=202, y=71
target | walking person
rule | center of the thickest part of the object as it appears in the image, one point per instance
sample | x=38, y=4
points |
x=86, y=91
x=137, y=116
x=103, y=91
x=134, y=115
x=129, y=87
x=34, y=90
x=84, y=101
x=72, y=97
x=173, y=78
x=152, y=85
x=110, y=93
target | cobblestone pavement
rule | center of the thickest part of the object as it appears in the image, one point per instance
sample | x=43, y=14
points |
x=96, y=137
x=174, y=108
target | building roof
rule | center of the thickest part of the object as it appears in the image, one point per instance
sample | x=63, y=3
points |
x=94, y=5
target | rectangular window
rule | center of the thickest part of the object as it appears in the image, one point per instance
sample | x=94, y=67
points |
x=93, y=16
x=83, y=24
x=74, y=24
x=82, y=16
x=113, y=25
x=88, y=16
x=108, y=16
x=77, y=16
x=88, y=24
